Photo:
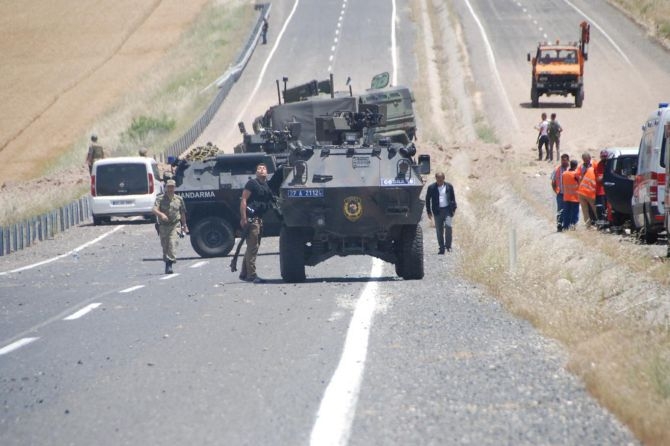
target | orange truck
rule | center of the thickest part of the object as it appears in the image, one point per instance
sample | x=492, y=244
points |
x=558, y=68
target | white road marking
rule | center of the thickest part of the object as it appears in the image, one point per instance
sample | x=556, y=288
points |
x=252, y=96
x=16, y=345
x=131, y=289
x=87, y=309
x=338, y=406
x=169, y=276
x=67, y=254
x=493, y=66
x=199, y=264
x=599, y=28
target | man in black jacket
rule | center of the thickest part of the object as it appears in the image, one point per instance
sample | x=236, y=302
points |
x=441, y=202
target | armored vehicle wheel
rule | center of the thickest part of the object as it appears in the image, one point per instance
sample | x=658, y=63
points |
x=212, y=237
x=291, y=255
x=534, y=97
x=579, y=97
x=411, y=258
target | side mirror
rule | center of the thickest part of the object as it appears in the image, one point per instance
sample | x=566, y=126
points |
x=424, y=164
x=243, y=129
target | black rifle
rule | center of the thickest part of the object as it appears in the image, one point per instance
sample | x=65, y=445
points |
x=243, y=237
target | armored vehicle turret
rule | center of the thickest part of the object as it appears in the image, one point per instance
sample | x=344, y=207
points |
x=348, y=195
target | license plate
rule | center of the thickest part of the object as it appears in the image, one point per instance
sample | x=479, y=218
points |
x=305, y=193
x=122, y=202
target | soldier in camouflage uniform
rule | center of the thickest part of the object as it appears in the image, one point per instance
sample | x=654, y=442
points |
x=95, y=152
x=170, y=211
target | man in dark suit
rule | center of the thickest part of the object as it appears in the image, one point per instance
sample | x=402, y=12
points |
x=441, y=202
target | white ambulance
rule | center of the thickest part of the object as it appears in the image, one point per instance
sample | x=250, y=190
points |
x=649, y=188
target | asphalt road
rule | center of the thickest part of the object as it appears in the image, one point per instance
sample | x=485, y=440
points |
x=99, y=347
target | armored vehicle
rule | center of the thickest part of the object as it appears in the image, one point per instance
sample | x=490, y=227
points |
x=306, y=102
x=212, y=188
x=346, y=196
x=558, y=69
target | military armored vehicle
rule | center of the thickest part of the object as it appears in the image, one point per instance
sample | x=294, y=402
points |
x=212, y=188
x=351, y=196
x=303, y=103
x=558, y=69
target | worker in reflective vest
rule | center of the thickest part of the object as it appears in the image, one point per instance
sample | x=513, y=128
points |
x=570, y=197
x=557, y=185
x=586, y=176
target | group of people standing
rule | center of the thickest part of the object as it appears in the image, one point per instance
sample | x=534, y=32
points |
x=548, y=136
x=580, y=186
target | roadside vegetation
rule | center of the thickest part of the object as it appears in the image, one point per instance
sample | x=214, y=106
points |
x=654, y=15
x=153, y=114
x=571, y=287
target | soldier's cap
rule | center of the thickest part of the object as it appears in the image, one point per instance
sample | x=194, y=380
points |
x=170, y=183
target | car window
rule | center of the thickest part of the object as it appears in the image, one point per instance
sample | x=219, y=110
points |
x=625, y=166
x=121, y=179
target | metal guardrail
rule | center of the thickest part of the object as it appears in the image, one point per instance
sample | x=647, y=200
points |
x=44, y=227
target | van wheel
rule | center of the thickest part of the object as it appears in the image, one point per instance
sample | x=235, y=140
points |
x=212, y=237
x=646, y=235
x=98, y=220
x=411, y=260
x=291, y=254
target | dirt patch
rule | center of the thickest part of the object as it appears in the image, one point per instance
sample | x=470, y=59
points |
x=65, y=62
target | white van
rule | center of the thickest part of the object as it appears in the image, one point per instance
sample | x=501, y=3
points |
x=124, y=187
x=649, y=187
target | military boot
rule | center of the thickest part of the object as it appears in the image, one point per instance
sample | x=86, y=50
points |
x=168, y=267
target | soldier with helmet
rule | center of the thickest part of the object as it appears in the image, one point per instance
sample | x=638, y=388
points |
x=95, y=152
x=170, y=212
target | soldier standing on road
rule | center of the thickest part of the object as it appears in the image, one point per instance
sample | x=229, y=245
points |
x=554, y=133
x=441, y=202
x=255, y=202
x=95, y=152
x=264, y=31
x=170, y=212
x=542, y=137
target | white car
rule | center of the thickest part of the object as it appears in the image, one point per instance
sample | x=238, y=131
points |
x=124, y=187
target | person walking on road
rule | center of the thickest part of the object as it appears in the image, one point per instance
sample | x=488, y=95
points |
x=543, y=137
x=554, y=133
x=264, y=31
x=170, y=212
x=256, y=200
x=95, y=152
x=557, y=186
x=441, y=203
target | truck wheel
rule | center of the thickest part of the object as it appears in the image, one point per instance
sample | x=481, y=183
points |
x=291, y=255
x=212, y=237
x=411, y=260
x=534, y=97
x=579, y=97
x=97, y=220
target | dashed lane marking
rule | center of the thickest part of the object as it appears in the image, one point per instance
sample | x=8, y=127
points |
x=87, y=309
x=16, y=345
x=131, y=289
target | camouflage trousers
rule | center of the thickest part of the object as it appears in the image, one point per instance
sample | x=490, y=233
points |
x=168, y=235
x=253, y=242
